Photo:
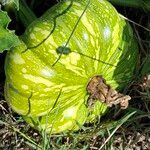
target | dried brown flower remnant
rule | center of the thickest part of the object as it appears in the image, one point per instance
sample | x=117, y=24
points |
x=98, y=89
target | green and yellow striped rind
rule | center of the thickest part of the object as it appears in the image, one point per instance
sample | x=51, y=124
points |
x=101, y=44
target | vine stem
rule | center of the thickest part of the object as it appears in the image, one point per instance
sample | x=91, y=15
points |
x=25, y=14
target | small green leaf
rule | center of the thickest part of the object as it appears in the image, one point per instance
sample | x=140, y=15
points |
x=10, y=3
x=8, y=38
x=4, y=19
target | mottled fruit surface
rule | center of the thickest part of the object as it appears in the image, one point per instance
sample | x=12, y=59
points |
x=47, y=75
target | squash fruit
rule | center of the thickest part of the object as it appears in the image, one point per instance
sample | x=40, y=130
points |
x=48, y=73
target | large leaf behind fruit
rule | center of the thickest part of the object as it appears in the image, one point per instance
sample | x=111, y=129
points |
x=8, y=38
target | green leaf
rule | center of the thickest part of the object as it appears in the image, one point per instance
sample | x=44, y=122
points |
x=8, y=39
x=146, y=68
x=10, y=3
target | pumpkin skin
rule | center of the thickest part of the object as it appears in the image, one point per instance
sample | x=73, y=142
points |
x=54, y=96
